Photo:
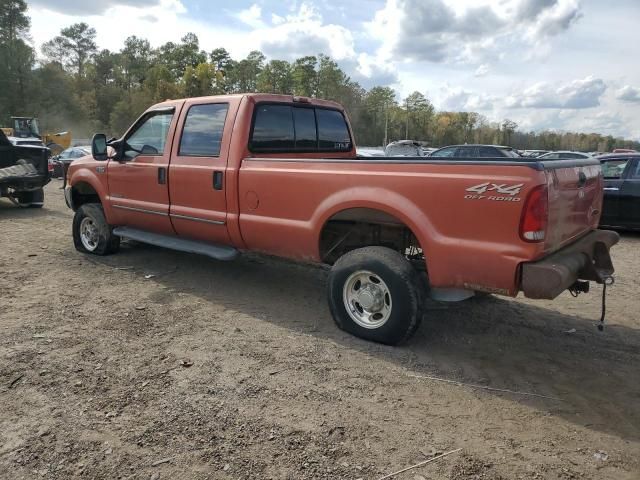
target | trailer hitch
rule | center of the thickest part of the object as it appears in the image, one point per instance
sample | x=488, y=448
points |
x=583, y=287
x=606, y=281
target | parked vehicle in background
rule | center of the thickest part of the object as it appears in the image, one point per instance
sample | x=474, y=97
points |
x=475, y=151
x=563, y=155
x=404, y=148
x=427, y=151
x=370, y=152
x=64, y=159
x=533, y=153
x=621, y=206
x=279, y=175
x=24, y=170
x=624, y=150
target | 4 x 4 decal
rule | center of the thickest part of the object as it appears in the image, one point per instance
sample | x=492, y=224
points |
x=503, y=192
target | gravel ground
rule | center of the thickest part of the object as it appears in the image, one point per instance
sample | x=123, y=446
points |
x=152, y=364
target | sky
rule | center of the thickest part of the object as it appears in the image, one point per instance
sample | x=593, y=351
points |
x=546, y=64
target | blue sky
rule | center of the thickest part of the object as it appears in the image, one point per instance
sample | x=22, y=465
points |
x=560, y=64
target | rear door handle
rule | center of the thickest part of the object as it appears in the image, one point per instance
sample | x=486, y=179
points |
x=162, y=175
x=217, y=180
x=611, y=189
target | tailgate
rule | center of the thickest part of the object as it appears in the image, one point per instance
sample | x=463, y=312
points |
x=575, y=200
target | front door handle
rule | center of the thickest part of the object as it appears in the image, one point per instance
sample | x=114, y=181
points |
x=217, y=180
x=162, y=175
x=611, y=189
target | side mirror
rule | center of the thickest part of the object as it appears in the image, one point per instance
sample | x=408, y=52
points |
x=99, y=147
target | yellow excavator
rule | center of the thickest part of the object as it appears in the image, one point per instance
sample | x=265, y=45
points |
x=26, y=131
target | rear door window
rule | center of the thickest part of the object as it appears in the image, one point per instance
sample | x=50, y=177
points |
x=202, y=131
x=488, y=152
x=614, y=169
x=286, y=128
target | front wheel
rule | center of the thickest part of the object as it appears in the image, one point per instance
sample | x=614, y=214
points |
x=375, y=294
x=92, y=233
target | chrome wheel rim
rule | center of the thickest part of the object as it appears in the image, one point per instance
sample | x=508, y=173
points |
x=367, y=299
x=89, y=234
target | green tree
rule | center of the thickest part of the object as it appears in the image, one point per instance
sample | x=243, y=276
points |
x=135, y=59
x=304, y=76
x=16, y=57
x=275, y=77
x=73, y=47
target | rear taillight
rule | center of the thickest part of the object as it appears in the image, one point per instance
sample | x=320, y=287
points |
x=535, y=215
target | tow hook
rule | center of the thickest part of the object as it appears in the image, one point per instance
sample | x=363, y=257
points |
x=606, y=281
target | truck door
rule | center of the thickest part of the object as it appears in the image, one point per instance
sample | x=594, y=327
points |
x=613, y=171
x=197, y=183
x=138, y=188
x=630, y=196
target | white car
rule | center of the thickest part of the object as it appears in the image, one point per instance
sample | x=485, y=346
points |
x=563, y=155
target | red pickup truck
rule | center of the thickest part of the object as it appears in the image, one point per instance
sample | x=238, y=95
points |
x=279, y=175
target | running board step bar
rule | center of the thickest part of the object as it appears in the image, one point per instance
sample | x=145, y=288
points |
x=218, y=252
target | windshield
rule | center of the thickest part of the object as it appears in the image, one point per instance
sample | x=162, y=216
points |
x=26, y=127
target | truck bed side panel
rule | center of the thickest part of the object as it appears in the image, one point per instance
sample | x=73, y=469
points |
x=470, y=239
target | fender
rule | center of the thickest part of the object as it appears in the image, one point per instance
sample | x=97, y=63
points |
x=86, y=174
x=380, y=199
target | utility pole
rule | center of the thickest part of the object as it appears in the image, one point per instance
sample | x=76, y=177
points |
x=406, y=130
x=386, y=125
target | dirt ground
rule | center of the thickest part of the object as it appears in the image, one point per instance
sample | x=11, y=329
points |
x=236, y=371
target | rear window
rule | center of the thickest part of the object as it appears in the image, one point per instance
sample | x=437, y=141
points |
x=333, y=133
x=285, y=128
x=202, y=132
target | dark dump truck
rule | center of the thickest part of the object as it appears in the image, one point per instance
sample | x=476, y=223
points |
x=24, y=171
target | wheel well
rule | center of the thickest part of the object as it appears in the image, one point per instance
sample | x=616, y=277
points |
x=84, y=193
x=364, y=227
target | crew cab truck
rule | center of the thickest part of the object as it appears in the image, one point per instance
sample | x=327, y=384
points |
x=279, y=175
x=24, y=171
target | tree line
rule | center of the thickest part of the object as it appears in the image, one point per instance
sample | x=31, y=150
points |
x=72, y=84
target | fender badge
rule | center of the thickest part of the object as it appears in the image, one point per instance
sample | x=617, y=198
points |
x=100, y=169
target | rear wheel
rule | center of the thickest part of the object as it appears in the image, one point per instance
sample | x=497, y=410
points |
x=375, y=294
x=91, y=232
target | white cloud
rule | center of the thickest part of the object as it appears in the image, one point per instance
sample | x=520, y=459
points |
x=304, y=32
x=629, y=94
x=578, y=94
x=481, y=71
x=466, y=30
x=459, y=99
x=251, y=16
x=84, y=7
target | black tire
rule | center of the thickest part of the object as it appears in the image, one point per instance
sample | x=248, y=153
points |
x=403, y=282
x=106, y=242
x=37, y=199
x=30, y=199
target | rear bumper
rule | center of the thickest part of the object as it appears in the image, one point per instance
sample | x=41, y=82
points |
x=585, y=259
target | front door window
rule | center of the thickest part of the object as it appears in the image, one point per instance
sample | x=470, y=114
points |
x=150, y=137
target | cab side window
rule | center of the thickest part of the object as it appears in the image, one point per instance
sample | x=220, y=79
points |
x=202, y=131
x=150, y=136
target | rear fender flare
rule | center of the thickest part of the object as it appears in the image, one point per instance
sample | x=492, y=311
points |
x=380, y=199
